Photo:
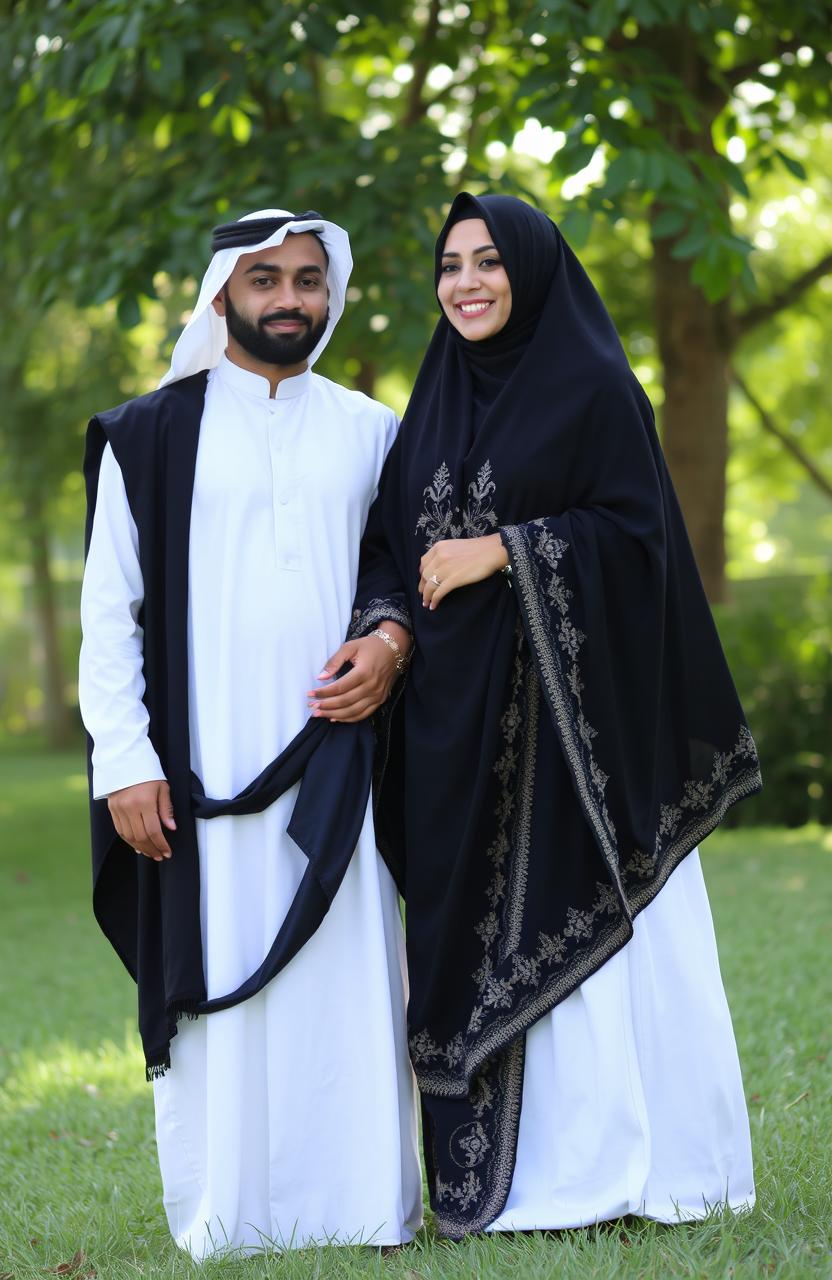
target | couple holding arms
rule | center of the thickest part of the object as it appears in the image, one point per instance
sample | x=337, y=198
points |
x=526, y=732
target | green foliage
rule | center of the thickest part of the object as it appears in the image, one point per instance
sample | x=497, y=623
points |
x=127, y=129
x=778, y=638
x=133, y=126
x=55, y=363
x=657, y=89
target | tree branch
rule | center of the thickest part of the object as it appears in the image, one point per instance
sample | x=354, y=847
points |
x=788, y=442
x=416, y=107
x=757, y=315
x=746, y=70
x=467, y=172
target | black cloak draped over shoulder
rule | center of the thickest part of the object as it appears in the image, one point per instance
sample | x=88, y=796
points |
x=148, y=910
x=567, y=735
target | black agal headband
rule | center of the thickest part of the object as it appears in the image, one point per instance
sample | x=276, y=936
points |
x=231, y=235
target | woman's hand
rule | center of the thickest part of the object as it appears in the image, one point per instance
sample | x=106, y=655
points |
x=457, y=562
x=363, y=690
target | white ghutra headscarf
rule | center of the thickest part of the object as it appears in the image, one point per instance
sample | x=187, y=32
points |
x=204, y=338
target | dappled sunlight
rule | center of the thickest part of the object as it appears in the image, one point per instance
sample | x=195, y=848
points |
x=63, y=1070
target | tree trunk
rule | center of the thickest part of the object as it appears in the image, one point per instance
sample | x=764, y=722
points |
x=693, y=334
x=365, y=379
x=56, y=717
x=695, y=353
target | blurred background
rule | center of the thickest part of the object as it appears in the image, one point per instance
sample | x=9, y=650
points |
x=685, y=149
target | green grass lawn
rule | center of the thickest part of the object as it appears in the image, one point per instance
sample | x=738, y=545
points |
x=77, y=1160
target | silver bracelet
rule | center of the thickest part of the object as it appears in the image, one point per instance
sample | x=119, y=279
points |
x=401, y=660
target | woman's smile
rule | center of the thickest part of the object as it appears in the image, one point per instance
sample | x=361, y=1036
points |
x=471, y=309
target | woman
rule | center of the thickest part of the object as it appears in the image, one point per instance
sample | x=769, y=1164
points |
x=571, y=733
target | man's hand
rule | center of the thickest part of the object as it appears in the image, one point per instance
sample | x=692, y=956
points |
x=457, y=562
x=139, y=813
x=363, y=690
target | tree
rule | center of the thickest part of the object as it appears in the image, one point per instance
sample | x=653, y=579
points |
x=136, y=124
x=679, y=105
x=53, y=365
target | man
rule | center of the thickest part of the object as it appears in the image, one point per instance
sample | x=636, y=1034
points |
x=227, y=509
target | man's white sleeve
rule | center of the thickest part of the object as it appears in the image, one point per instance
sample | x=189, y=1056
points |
x=111, y=679
x=391, y=430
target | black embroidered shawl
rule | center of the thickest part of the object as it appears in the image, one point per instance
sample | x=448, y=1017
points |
x=149, y=910
x=568, y=739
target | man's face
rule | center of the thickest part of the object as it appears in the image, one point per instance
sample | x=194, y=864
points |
x=276, y=301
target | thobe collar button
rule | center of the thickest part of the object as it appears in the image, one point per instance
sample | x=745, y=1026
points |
x=253, y=384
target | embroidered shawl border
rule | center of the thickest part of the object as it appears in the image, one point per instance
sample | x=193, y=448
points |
x=452, y=1200
x=535, y=556
x=561, y=961
x=375, y=612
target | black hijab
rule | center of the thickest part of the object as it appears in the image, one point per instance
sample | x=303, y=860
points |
x=529, y=250
x=569, y=734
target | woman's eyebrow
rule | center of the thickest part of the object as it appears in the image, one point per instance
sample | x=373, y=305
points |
x=481, y=249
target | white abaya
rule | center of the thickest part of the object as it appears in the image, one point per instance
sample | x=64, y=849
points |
x=290, y=1118
x=632, y=1094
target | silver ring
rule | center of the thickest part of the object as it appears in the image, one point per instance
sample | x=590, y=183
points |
x=433, y=578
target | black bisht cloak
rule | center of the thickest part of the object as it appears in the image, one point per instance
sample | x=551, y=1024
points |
x=149, y=910
x=567, y=735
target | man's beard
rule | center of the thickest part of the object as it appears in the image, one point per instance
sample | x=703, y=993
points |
x=274, y=348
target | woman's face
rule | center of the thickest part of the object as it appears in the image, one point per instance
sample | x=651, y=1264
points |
x=474, y=290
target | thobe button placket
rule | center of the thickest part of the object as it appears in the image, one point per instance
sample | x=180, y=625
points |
x=282, y=492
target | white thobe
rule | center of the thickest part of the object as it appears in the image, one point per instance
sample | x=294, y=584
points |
x=290, y=1118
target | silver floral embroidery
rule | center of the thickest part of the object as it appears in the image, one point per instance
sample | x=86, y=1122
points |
x=699, y=795
x=549, y=551
x=488, y=928
x=669, y=816
x=437, y=519
x=441, y=519
x=472, y=1142
x=479, y=517
x=578, y=923
x=527, y=971
x=641, y=864
x=461, y=1194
